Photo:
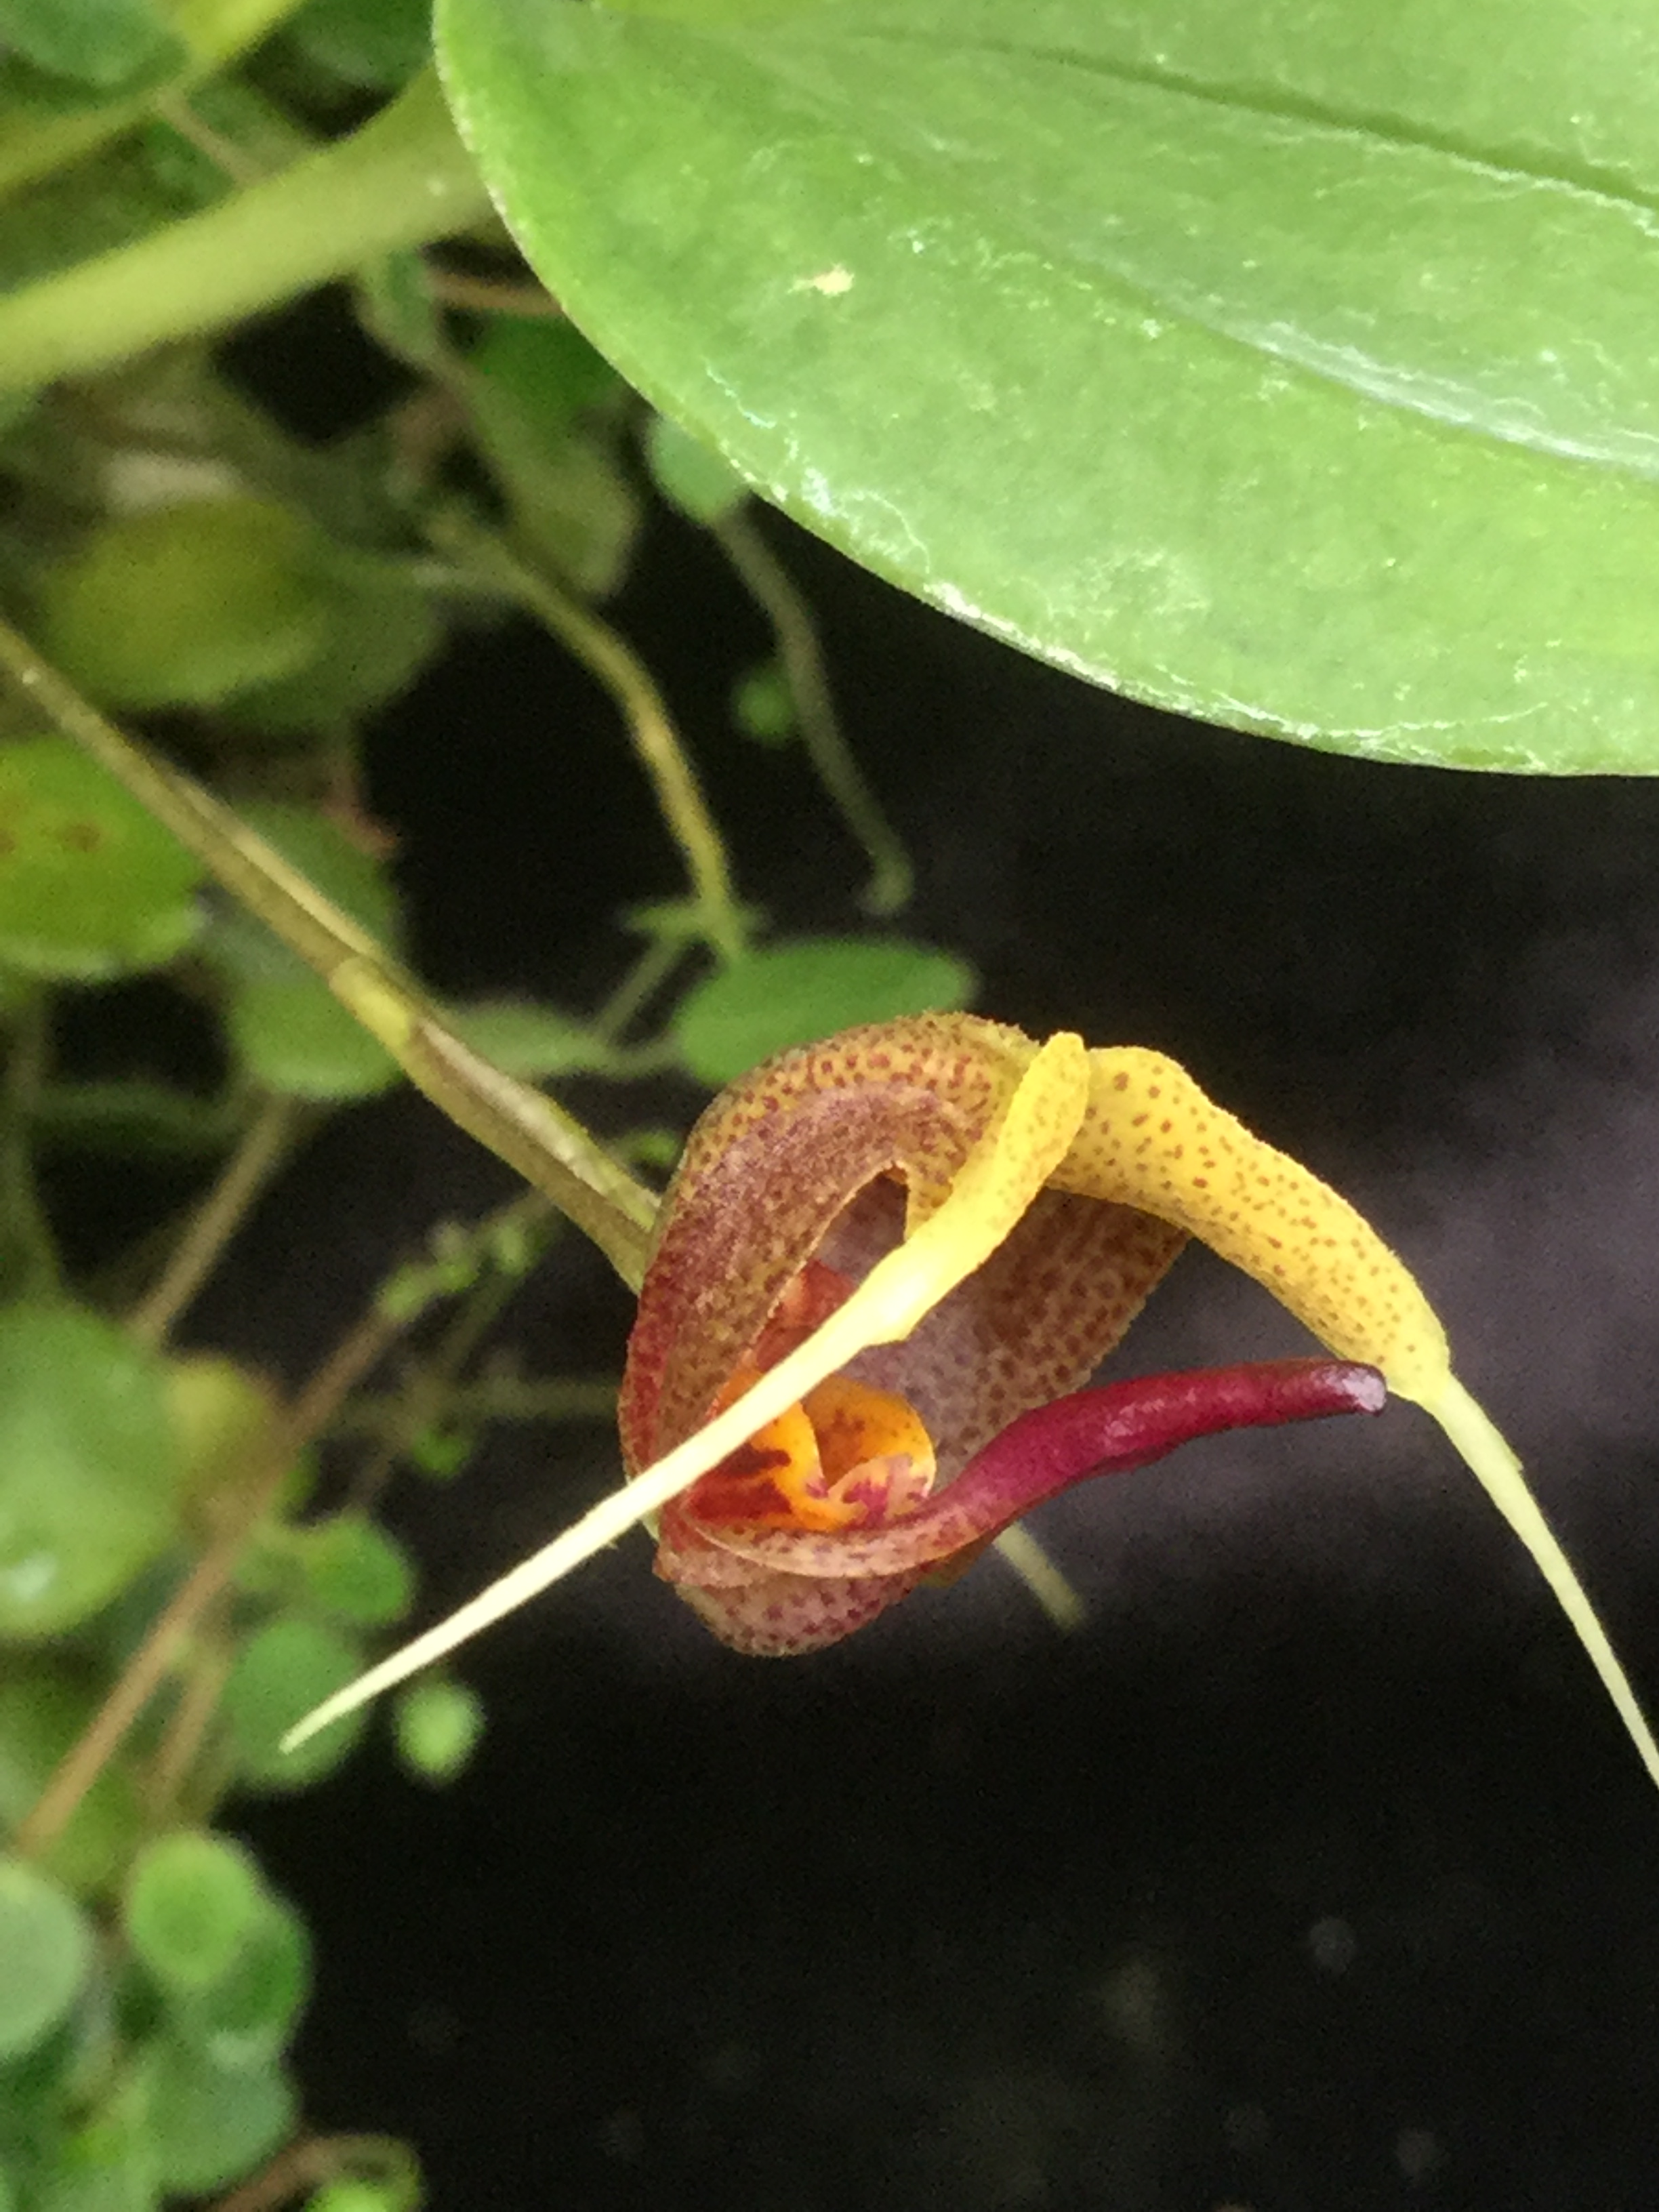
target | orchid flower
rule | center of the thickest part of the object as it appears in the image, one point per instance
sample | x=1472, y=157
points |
x=884, y=1267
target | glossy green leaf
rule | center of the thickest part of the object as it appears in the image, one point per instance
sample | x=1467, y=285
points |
x=91, y=885
x=791, y=994
x=90, y=1468
x=45, y=1950
x=1279, y=361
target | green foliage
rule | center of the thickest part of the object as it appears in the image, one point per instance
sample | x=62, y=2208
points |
x=209, y=2122
x=90, y=885
x=438, y=1723
x=192, y=1899
x=90, y=1472
x=1184, y=350
x=286, y=1027
x=43, y=1708
x=284, y=1668
x=45, y=1950
x=376, y=43
x=99, y=42
x=791, y=994
x=691, y=475
x=186, y=605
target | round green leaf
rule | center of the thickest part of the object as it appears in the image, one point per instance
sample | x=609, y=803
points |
x=180, y=606
x=209, y=2123
x=191, y=1901
x=88, y=1466
x=437, y=1724
x=90, y=885
x=1182, y=347
x=43, y=1710
x=247, y=2019
x=353, y=1568
x=45, y=1949
x=530, y=1041
x=792, y=994
x=282, y=1671
x=763, y=706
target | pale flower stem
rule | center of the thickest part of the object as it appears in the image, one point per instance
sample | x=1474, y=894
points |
x=1054, y=1594
x=1499, y=1472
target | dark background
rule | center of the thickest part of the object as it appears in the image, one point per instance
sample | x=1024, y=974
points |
x=1316, y=1872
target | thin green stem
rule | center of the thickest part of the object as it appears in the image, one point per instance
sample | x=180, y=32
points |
x=657, y=743
x=773, y=589
x=404, y=180
x=548, y=1146
x=265, y=1142
x=214, y=31
x=430, y=1391
x=649, y=972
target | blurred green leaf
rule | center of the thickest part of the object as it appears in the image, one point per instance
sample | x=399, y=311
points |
x=355, y=1570
x=191, y=1902
x=690, y=474
x=530, y=1041
x=569, y=495
x=97, y=42
x=43, y=1711
x=1184, y=348
x=763, y=706
x=91, y=885
x=247, y=2018
x=791, y=994
x=183, y=605
x=284, y=1669
x=286, y=1026
x=45, y=1951
x=377, y=43
x=209, y=2123
x=89, y=1469
x=437, y=1726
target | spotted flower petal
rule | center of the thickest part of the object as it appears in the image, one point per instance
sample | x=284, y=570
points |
x=956, y=1223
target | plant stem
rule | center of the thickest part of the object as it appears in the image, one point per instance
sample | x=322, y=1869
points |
x=495, y=1398
x=431, y=1387
x=214, y=31
x=657, y=743
x=772, y=587
x=250, y=1167
x=402, y=180
x=546, y=1146
x=312, y=2161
